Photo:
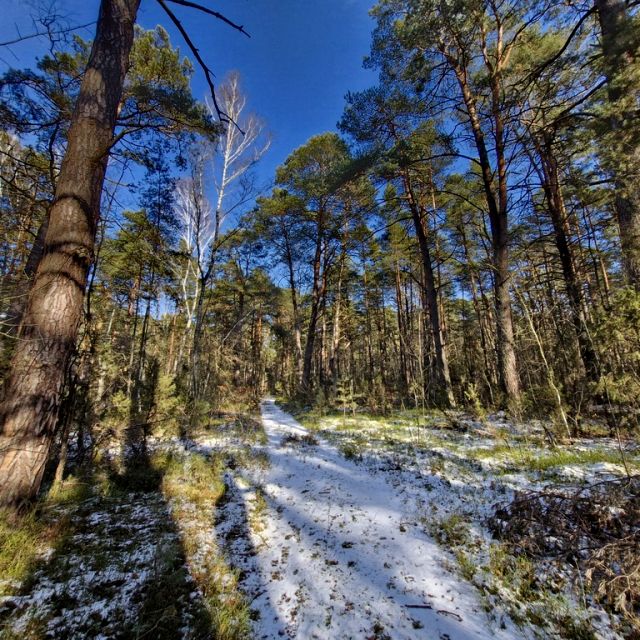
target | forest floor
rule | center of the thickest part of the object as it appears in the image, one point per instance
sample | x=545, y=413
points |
x=337, y=526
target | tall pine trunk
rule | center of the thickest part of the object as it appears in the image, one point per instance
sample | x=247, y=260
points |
x=498, y=210
x=32, y=399
x=317, y=292
x=619, y=45
x=557, y=211
x=443, y=392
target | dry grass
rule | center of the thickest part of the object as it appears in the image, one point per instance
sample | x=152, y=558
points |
x=594, y=529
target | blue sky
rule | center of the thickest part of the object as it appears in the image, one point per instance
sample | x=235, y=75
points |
x=301, y=59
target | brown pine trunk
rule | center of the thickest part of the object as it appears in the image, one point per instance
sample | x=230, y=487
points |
x=497, y=205
x=443, y=392
x=557, y=211
x=489, y=372
x=371, y=374
x=294, y=301
x=50, y=323
x=334, y=368
x=316, y=300
x=619, y=41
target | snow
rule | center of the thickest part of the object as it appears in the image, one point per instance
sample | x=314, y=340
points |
x=343, y=554
x=323, y=546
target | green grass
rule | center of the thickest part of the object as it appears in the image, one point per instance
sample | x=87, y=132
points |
x=351, y=450
x=191, y=477
x=258, y=512
x=23, y=539
x=194, y=485
x=466, y=565
x=543, y=460
x=26, y=537
x=451, y=532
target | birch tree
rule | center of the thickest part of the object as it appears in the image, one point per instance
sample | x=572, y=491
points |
x=235, y=153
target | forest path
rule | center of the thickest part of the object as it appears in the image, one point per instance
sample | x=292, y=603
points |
x=342, y=553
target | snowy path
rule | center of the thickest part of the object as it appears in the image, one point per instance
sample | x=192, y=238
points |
x=343, y=555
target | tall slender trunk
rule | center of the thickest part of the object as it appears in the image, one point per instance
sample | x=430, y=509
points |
x=489, y=372
x=334, y=368
x=371, y=374
x=198, y=325
x=172, y=344
x=14, y=314
x=297, y=333
x=402, y=334
x=53, y=313
x=497, y=205
x=316, y=298
x=619, y=43
x=557, y=211
x=443, y=392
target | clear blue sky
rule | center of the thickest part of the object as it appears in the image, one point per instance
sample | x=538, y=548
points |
x=302, y=57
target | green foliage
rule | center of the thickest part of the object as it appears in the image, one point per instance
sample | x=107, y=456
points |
x=351, y=450
x=473, y=401
x=452, y=531
x=515, y=571
x=617, y=337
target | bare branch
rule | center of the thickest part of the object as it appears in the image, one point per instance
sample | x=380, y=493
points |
x=215, y=14
x=207, y=72
x=48, y=32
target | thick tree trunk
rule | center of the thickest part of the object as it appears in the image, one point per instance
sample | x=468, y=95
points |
x=505, y=342
x=619, y=43
x=50, y=323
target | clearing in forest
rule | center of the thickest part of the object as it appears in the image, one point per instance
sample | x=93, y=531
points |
x=350, y=527
x=343, y=554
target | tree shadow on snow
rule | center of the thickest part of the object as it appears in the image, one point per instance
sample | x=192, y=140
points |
x=233, y=531
x=117, y=571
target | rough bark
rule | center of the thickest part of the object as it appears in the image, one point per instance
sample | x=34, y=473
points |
x=53, y=312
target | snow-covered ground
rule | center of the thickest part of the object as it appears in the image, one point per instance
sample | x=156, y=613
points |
x=342, y=553
x=367, y=528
